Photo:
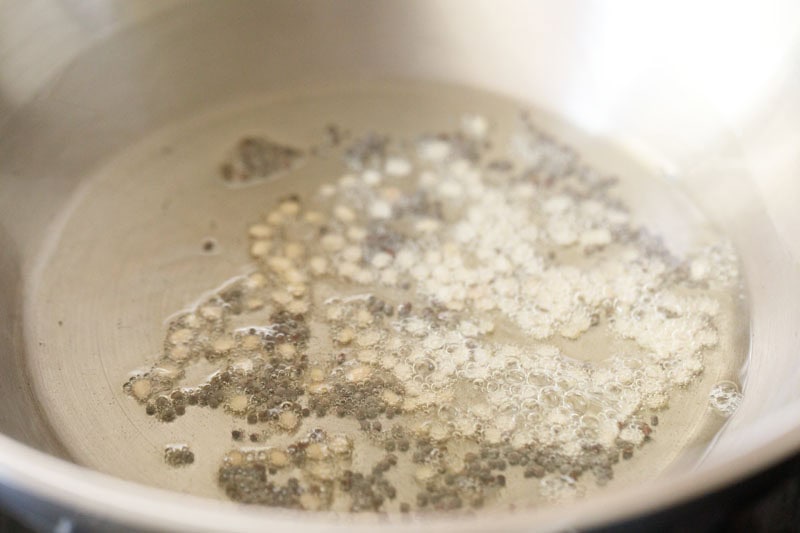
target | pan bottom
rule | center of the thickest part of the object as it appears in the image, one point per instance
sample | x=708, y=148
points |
x=158, y=226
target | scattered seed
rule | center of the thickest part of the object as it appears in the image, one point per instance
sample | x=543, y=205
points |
x=141, y=389
x=260, y=231
x=288, y=420
x=278, y=459
x=238, y=404
x=178, y=455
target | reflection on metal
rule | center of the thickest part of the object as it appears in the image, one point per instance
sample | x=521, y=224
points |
x=707, y=93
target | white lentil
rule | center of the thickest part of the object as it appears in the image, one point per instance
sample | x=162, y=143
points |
x=310, y=502
x=285, y=350
x=253, y=304
x=332, y=242
x=363, y=276
x=281, y=297
x=352, y=254
x=381, y=260
x=344, y=213
x=595, y=237
x=371, y=177
x=368, y=356
x=316, y=374
x=327, y=190
x=288, y=420
x=275, y=218
x=279, y=264
x=256, y=281
x=179, y=353
x=380, y=210
x=391, y=398
x=356, y=234
x=297, y=289
x=211, y=312
x=234, y=458
x=345, y=336
x=314, y=217
x=368, y=338
x=238, y=404
x=340, y=444
x=141, y=389
x=297, y=307
x=260, y=231
x=398, y=167
x=223, y=344
x=358, y=373
x=434, y=150
x=289, y=208
x=316, y=451
x=318, y=265
x=474, y=126
x=294, y=250
x=364, y=317
x=251, y=342
x=181, y=336
x=294, y=276
x=278, y=459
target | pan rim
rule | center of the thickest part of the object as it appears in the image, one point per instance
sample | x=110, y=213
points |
x=79, y=490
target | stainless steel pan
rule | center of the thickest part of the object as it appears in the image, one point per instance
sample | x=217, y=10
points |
x=708, y=94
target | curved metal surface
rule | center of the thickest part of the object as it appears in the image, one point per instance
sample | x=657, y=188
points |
x=706, y=93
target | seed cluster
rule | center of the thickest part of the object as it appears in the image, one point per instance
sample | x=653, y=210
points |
x=270, y=475
x=484, y=324
x=178, y=455
x=258, y=158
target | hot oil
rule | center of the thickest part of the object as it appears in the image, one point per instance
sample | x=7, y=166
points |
x=375, y=390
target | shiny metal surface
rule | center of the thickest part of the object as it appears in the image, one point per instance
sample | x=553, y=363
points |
x=708, y=94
